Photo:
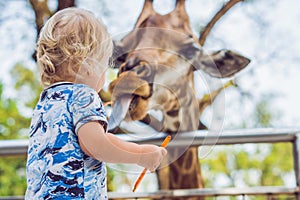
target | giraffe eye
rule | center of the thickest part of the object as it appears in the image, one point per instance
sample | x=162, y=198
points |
x=143, y=69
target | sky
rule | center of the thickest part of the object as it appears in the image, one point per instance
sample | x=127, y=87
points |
x=266, y=31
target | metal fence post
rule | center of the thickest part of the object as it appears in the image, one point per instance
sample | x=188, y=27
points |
x=296, y=155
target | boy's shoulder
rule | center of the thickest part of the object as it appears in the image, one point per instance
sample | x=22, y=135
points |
x=67, y=91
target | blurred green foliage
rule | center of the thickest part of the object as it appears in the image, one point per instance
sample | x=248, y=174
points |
x=248, y=165
x=27, y=84
x=11, y=121
x=12, y=169
x=14, y=125
x=251, y=164
x=12, y=176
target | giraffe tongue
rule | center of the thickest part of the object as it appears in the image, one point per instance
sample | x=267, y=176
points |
x=119, y=111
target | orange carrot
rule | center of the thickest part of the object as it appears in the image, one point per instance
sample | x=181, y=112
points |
x=141, y=176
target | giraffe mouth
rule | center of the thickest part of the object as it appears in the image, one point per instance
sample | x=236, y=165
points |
x=130, y=96
x=133, y=103
x=128, y=108
x=121, y=106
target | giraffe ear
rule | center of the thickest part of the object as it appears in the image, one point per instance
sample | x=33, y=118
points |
x=221, y=64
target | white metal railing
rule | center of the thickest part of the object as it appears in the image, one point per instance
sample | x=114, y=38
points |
x=198, y=138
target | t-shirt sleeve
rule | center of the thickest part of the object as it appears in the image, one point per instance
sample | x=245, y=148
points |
x=86, y=106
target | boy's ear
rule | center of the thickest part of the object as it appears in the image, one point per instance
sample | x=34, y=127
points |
x=221, y=64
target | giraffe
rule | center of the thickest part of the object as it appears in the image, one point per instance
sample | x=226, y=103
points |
x=156, y=63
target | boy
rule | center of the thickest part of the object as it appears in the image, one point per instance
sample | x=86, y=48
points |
x=68, y=144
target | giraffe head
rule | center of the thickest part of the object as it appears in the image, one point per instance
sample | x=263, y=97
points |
x=156, y=61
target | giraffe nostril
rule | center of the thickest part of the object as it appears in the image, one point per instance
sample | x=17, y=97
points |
x=143, y=69
x=131, y=63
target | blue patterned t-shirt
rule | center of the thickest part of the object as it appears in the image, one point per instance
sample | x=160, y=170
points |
x=57, y=168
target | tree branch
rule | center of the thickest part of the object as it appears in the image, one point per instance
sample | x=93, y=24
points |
x=41, y=11
x=65, y=4
x=208, y=99
x=204, y=33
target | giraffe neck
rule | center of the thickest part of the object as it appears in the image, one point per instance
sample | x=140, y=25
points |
x=183, y=173
x=184, y=168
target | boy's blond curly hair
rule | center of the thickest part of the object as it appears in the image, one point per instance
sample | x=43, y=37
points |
x=70, y=39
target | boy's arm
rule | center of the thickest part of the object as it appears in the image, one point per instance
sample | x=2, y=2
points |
x=109, y=148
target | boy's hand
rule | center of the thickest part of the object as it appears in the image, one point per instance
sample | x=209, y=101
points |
x=151, y=156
